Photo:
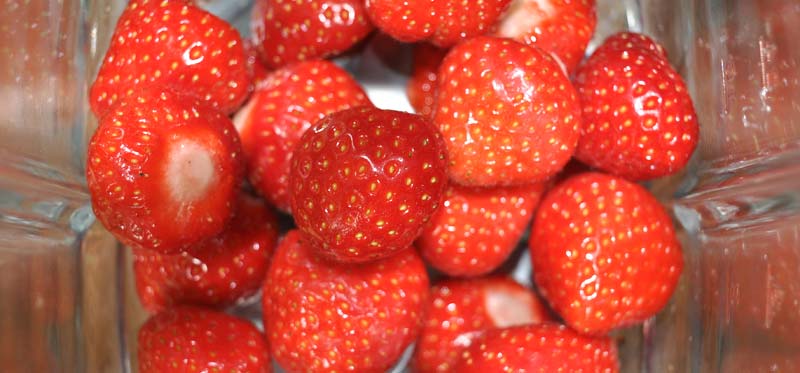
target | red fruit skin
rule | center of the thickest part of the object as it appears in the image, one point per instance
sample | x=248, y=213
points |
x=191, y=339
x=324, y=316
x=421, y=87
x=539, y=348
x=291, y=31
x=476, y=229
x=638, y=119
x=461, y=20
x=458, y=311
x=365, y=182
x=405, y=20
x=177, y=44
x=217, y=272
x=283, y=107
x=144, y=186
x=604, y=253
x=561, y=27
x=508, y=113
x=258, y=70
x=441, y=22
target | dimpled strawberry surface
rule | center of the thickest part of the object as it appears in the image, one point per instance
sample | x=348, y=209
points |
x=376, y=239
x=365, y=182
x=508, y=113
x=173, y=43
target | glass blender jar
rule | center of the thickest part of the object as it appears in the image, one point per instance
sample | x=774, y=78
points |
x=66, y=299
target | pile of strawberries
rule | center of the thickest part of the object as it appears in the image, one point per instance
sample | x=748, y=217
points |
x=380, y=199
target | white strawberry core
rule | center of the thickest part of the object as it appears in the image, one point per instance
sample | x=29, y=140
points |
x=523, y=16
x=509, y=308
x=242, y=117
x=190, y=171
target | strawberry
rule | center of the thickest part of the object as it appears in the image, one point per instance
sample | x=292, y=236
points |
x=215, y=273
x=508, y=113
x=458, y=311
x=365, y=182
x=288, y=31
x=625, y=40
x=283, y=107
x=189, y=339
x=442, y=22
x=539, y=348
x=324, y=316
x=254, y=63
x=561, y=27
x=407, y=20
x=164, y=171
x=177, y=44
x=638, y=119
x=604, y=252
x=422, y=83
x=476, y=229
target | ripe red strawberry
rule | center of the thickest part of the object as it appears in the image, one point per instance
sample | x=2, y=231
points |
x=460, y=310
x=626, y=40
x=442, y=22
x=638, y=118
x=508, y=113
x=604, y=252
x=164, y=171
x=561, y=27
x=323, y=316
x=365, y=182
x=289, y=31
x=258, y=70
x=539, y=348
x=172, y=43
x=283, y=107
x=476, y=229
x=421, y=88
x=189, y=339
x=216, y=273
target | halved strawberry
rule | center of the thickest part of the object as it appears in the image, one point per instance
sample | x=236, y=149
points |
x=365, y=182
x=604, y=252
x=289, y=31
x=508, y=113
x=164, y=171
x=561, y=27
x=421, y=88
x=216, y=273
x=460, y=310
x=172, y=43
x=323, y=316
x=539, y=348
x=638, y=119
x=189, y=339
x=441, y=22
x=476, y=229
x=283, y=107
